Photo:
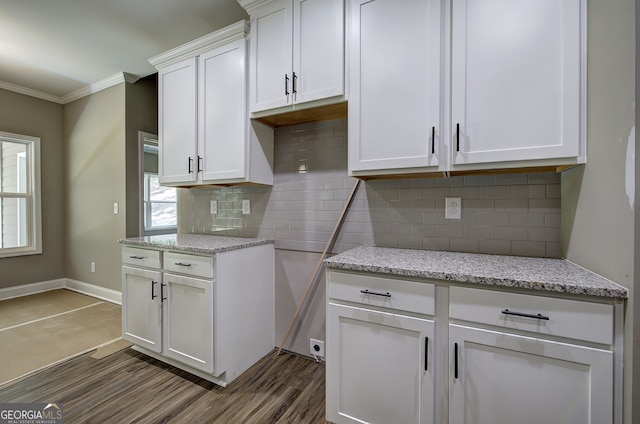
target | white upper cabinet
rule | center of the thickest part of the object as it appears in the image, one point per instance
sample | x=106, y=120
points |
x=222, y=112
x=460, y=85
x=205, y=135
x=177, y=122
x=297, y=52
x=516, y=81
x=394, y=97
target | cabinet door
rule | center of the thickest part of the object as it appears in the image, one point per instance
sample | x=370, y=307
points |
x=223, y=119
x=271, y=56
x=394, y=96
x=318, y=51
x=188, y=321
x=516, y=80
x=177, y=157
x=379, y=367
x=141, y=307
x=504, y=379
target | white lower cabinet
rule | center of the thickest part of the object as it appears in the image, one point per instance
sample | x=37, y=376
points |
x=210, y=315
x=504, y=378
x=404, y=351
x=141, y=307
x=188, y=314
x=379, y=370
x=380, y=356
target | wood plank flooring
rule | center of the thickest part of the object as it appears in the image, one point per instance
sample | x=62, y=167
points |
x=129, y=387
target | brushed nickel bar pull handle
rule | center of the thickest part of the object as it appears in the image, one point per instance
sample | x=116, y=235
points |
x=525, y=315
x=153, y=283
x=366, y=291
x=182, y=264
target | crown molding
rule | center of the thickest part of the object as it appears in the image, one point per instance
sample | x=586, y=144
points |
x=29, y=92
x=103, y=84
x=230, y=33
x=251, y=5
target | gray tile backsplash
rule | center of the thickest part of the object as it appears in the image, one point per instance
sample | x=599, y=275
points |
x=516, y=214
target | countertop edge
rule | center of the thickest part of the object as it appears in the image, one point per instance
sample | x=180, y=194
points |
x=605, y=288
x=237, y=243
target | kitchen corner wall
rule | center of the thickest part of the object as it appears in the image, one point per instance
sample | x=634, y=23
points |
x=517, y=214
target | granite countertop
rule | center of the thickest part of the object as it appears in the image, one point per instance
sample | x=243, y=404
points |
x=196, y=243
x=552, y=275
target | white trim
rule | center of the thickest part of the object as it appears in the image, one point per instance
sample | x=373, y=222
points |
x=30, y=92
x=92, y=290
x=103, y=84
x=33, y=288
x=93, y=88
x=200, y=45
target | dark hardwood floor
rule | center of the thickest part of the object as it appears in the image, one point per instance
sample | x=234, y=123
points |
x=129, y=387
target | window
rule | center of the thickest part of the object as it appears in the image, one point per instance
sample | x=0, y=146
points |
x=160, y=205
x=20, y=219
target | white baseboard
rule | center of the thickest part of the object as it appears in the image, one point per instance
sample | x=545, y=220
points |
x=92, y=290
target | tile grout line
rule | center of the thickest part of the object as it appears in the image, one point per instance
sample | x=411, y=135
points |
x=50, y=316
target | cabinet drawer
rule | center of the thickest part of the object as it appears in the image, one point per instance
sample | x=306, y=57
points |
x=403, y=295
x=200, y=266
x=566, y=318
x=141, y=257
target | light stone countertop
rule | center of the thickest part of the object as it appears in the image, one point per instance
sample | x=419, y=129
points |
x=195, y=243
x=551, y=275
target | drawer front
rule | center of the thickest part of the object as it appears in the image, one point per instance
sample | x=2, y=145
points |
x=387, y=292
x=141, y=257
x=566, y=318
x=183, y=263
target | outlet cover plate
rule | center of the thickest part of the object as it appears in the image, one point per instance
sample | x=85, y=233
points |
x=316, y=348
x=453, y=208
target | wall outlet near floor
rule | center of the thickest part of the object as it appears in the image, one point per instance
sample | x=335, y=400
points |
x=246, y=207
x=453, y=208
x=316, y=348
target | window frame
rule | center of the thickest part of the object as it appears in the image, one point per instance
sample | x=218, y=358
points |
x=146, y=206
x=32, y=196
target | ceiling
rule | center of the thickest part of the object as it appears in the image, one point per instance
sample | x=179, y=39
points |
x=53, y=48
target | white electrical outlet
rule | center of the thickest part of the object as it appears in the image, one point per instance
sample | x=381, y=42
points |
x=453, y=208
x=93, y=267
x=214, y=207
x=246, y=207
x=316, y=348
x=115, y=208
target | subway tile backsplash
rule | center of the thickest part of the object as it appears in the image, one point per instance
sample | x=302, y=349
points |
x=515, y=214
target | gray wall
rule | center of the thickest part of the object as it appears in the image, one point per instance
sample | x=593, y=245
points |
x=101, y=156
x=598, y=199
x=515, y=214
x=27, y=115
